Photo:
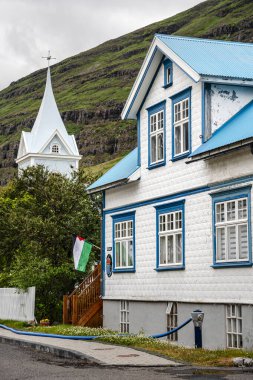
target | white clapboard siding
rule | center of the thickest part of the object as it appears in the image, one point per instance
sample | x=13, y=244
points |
x=16, y=304
x=199, y=282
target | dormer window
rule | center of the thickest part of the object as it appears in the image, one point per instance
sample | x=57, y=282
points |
x=55, y=148
x=168, y=73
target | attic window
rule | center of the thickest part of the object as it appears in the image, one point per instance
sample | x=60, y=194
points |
x=168, y=73
x=55, y=148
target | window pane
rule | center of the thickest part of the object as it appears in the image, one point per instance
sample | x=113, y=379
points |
x=243, y=241
x=123, y=229
x=170, y=222
x=186, y=137
x=178, y=248
x=231, y=241
x=160, y=120
x=162, y=250
x=153, y=123
x=130, y=253
x=117, y=249
x=220, y=232
x=153, y=148
x=130, y=228
x=168, y=75
x=178, y=220
x=162, y=223
x=230, y=211
x=170, y=249
x=242, y=209
x=117, y=230
x=123, y=253
x=239, y=326
x=177, y=113
x=160, y=146
x=177, y=140
x=220, y=212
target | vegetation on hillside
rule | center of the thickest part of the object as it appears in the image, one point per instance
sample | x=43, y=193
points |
x=39, y=213
x=92, y=86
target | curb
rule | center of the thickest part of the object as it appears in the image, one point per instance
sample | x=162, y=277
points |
x=60, y=352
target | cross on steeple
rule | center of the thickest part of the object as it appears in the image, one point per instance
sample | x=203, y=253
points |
x=48, y=58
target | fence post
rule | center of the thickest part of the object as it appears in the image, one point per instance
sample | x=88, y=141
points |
x=74, y=309
x=65, y=318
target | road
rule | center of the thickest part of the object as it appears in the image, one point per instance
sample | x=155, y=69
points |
x=19, y=363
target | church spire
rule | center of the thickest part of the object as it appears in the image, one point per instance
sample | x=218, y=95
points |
x=48, y=119
x=48, y=143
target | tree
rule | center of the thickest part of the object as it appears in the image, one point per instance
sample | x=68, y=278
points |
x=40, y=211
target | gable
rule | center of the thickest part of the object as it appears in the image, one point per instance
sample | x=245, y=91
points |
x=23, y=145
x=56, y=145
x=198, y=58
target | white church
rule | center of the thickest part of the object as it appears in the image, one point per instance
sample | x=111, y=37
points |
x=48, y=143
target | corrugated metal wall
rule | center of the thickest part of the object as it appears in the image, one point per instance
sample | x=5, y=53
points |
x=16, y=304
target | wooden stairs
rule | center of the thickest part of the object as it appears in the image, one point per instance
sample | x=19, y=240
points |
x=84, y=307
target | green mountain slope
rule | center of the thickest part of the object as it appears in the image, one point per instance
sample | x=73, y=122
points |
x=91, y=87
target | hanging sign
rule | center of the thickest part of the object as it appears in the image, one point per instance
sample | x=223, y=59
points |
x=109, y=265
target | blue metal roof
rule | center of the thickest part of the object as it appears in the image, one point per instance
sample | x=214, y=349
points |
x=238, y=128
x=212, y=57
x=119, y=172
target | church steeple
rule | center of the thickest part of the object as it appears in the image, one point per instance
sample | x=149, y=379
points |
x=48, y=143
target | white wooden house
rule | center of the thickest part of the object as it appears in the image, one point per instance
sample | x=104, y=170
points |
x=48, y=143
x=177, y=210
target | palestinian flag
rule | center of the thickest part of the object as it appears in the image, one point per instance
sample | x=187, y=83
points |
x=81, y=253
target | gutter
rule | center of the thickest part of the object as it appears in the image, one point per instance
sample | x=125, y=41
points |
x=220, y=151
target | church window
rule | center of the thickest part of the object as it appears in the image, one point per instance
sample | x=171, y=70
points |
x=55, y=148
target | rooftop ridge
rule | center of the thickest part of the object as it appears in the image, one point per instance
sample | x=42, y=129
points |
x=205, y=40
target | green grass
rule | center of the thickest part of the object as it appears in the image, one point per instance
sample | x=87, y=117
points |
x=200, y=357
x=101, y=78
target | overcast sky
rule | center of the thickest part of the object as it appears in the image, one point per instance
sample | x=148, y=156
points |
x=29, y=28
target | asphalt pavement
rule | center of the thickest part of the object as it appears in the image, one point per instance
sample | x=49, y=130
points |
x=25, y=363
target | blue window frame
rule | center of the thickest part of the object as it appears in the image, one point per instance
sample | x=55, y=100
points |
x=156, y=135
x=181, y=124
x=168, y=73
x=232, y=228
x=123, y=237
x=170, y=235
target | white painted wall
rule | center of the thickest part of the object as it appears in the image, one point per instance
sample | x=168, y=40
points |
x=198, y=282
x=17, y=305
x=226, y=101
x=61, y=165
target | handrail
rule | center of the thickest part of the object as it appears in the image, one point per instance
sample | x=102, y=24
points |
x=89, y=279
x=89, y=286
x=83, y=297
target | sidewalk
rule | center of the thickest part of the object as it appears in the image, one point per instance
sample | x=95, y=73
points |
x=90, y=351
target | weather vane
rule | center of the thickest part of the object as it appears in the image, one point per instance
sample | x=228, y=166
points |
x=48, y=58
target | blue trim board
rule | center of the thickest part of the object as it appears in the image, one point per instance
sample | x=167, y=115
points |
x=150, y=85
x=203, y=111
x=222, y=196
x=167, y=208
x=175, y=99
x=122, y=218
x=161, y=106
x=139, y=138
x=140, y=84
x=103, y=246
x=167, y=64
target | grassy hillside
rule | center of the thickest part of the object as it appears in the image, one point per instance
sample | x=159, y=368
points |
x=91, y=87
